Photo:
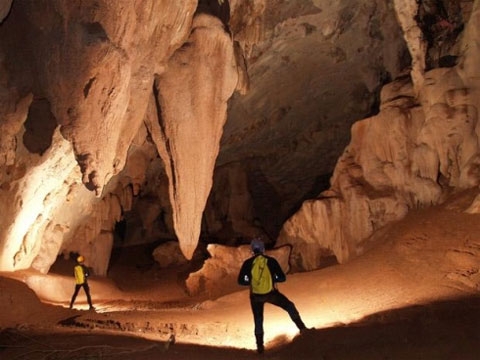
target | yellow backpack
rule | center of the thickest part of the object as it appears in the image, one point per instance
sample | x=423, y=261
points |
x=261, y=277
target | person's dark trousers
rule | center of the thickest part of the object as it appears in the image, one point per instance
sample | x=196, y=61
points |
x=276, y=298
x=86, y=288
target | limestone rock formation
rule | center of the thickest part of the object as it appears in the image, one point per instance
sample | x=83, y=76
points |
x=315, y=68
x=83, y=111
x=169, y=254
x=412, y=154
x=127, y=122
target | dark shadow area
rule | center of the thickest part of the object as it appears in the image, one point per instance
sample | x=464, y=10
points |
x=266, y=202
x=64, y=266
x=119, y=232
x=138, y=256
x=217, y=8
x=76, y=346
x=440, y=331
x=39, y=127
x=322, y=183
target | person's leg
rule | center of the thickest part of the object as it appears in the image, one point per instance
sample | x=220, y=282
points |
x=87, y=292
x=278, y=299
x=257, y=304
x=75, y=293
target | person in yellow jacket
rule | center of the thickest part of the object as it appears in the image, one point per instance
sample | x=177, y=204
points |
x=81, y=275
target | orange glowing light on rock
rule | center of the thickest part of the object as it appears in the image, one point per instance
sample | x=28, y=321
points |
x=35, y=204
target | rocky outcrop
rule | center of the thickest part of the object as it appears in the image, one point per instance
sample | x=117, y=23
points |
x=412, y=154
x=407, y=17
x=169, y=254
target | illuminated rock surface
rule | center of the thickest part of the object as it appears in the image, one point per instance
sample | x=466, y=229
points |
x=129, y=126
x=125, y=123
x=414, y=153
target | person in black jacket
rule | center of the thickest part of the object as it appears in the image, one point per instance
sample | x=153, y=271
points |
x=273, y=296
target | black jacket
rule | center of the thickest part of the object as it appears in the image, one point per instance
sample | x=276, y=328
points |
x=245, y=274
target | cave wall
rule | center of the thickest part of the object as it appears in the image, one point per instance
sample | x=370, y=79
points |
x=422, y=146
x=314, y=68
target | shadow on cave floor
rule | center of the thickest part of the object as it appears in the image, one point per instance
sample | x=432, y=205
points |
x=442, y=330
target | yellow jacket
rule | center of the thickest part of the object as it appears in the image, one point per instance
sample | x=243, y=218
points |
x=79, y=275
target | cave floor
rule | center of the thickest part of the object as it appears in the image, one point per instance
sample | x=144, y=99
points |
x=444, y=330
x=413, y=297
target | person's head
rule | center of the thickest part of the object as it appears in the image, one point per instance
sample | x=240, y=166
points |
x=258, y=247
x=80, y=259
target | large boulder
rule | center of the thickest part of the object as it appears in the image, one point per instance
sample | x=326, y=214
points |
x=169, y=254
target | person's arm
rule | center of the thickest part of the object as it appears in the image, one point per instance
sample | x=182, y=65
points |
x=86, y=271
x=276, y=270
x=244, y=274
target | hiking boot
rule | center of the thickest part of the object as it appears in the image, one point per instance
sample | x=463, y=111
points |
x=306, y=330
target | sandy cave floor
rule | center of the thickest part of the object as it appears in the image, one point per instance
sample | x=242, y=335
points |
x=414, y=297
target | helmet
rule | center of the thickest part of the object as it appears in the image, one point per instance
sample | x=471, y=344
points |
x=80, y=259
x=257, y=246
